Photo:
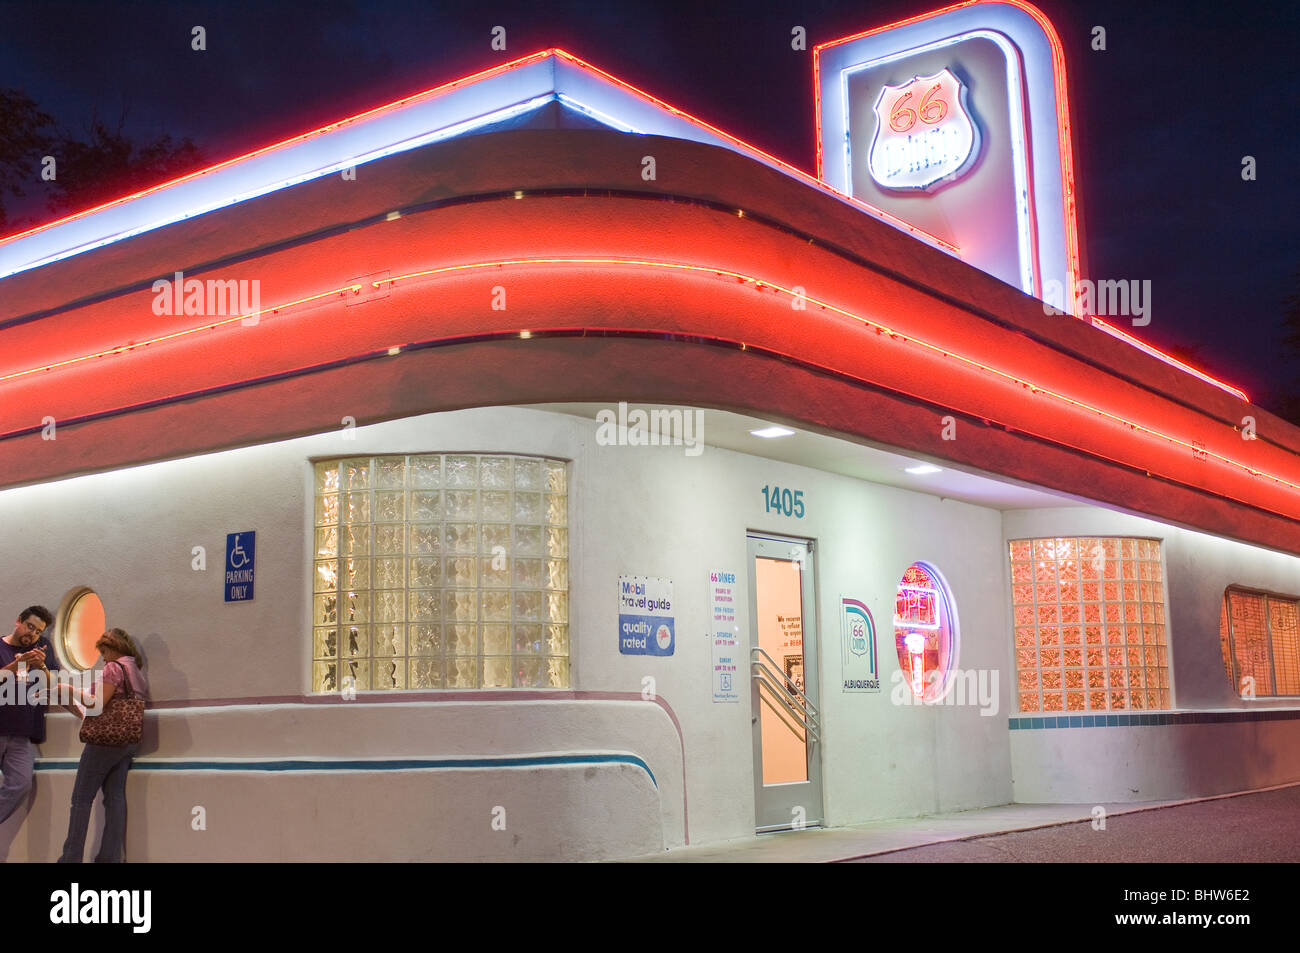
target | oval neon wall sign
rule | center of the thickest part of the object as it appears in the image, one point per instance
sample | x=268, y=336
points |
x=924, y=631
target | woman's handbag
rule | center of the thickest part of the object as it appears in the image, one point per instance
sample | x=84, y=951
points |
x=122, y=721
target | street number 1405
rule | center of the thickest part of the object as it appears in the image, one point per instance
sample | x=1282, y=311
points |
x=782, y=501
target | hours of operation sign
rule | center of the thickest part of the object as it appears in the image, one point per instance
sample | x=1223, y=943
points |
x=728, y=669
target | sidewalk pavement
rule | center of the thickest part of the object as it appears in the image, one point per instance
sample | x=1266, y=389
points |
x=826, y=845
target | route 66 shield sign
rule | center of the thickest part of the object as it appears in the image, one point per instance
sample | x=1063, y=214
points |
x=924, y=134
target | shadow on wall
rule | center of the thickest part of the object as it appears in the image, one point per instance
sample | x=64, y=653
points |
x=159, y=670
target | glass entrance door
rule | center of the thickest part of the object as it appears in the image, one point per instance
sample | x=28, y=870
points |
x=784, y=684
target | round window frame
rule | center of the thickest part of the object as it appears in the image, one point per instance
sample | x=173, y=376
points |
x=947, y=605
x=62, y=618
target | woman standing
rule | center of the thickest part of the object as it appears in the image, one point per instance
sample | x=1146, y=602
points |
x=105, y=766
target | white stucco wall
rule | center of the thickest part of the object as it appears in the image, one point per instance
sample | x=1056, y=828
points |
x=650, y=511
x=231, y=677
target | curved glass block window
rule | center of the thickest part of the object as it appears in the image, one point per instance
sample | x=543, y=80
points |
x=1089, y=623
x=1260, y=638
x=440, y=571
x=79, y=624
x=925, y=631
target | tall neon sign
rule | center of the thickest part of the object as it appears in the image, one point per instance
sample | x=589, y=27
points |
x=1013, y=212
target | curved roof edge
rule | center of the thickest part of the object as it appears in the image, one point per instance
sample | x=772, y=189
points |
x=458, y=108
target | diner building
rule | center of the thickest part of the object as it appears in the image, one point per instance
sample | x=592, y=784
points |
x=528, y=470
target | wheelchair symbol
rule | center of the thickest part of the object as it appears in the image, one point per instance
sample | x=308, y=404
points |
x=238, y=558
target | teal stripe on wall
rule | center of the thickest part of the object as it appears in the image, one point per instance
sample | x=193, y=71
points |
x=1142, y=719
x=390, y=764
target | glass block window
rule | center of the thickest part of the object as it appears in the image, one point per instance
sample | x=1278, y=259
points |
x=440, y=571
x=1260, y=637
x=1089, y=624
x=924, y=631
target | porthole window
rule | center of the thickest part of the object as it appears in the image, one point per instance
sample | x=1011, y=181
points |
x=78, y=626
x=925, y=631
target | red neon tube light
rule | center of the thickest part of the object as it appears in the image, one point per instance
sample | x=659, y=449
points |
x=759, y=283
x=1168, y=358
x=176, y=334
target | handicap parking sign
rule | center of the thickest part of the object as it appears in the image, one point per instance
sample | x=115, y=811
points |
x=241, y=551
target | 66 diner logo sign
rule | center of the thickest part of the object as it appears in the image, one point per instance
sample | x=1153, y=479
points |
x=924, y=134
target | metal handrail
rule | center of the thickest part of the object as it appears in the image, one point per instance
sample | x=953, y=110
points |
x=780, y=686
x=775, y=680
x=796, y=722
x=798, y=727
x=780, y=674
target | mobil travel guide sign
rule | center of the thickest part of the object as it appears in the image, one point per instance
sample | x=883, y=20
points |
x=645, y=621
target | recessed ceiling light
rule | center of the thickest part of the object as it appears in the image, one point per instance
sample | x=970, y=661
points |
x=769, y=432
x=923, y=469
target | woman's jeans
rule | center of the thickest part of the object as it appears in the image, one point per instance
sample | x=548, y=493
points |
x=101, y=766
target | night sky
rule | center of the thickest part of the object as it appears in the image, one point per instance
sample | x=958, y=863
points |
x=1163, y=116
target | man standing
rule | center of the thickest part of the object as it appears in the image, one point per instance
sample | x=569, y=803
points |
x=22, y=726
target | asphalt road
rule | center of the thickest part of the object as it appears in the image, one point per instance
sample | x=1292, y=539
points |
x=1250, y=828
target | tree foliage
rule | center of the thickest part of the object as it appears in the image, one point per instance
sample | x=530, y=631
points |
x=103, y=164
x=27, y=135
x=106, y=164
